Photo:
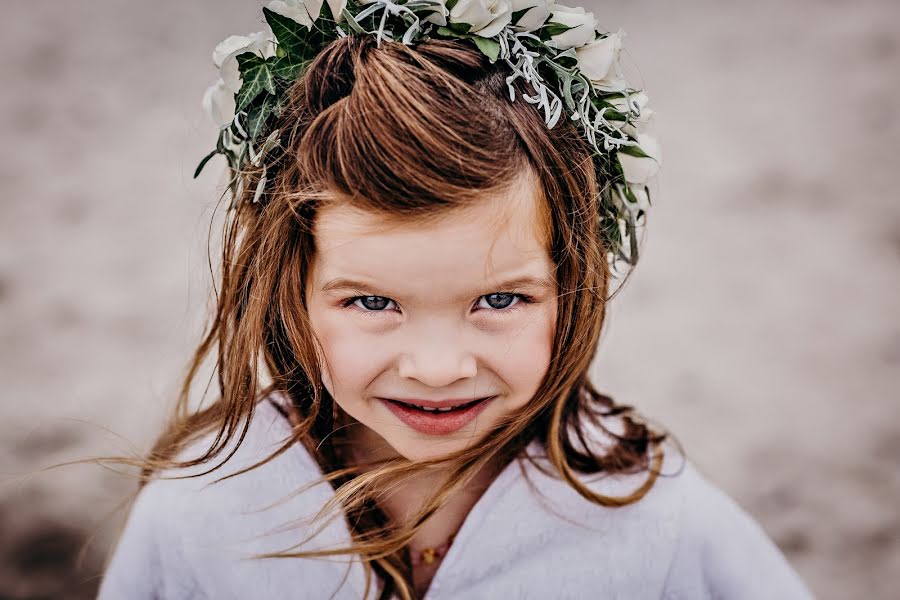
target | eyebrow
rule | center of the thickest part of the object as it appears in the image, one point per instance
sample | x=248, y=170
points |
x=528, y=281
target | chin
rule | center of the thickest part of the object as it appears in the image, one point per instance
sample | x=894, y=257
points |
x=415, y=449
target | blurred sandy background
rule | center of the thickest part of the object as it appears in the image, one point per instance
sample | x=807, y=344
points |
x=761, y=328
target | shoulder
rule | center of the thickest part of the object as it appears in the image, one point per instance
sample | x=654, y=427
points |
x=722, y=551
x=684, y=538
x=190, y=526
x=222, y=484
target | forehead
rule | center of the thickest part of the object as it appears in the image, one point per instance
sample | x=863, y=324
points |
x=498, y=238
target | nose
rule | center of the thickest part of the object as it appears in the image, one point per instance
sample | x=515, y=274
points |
x=437, y=361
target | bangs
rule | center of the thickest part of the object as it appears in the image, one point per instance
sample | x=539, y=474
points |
x=414, y=129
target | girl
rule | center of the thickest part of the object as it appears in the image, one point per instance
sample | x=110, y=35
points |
x=414, y=280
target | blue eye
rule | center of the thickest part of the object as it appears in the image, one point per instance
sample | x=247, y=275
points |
x=373, y=305
x=505, y=300
x=367, y=305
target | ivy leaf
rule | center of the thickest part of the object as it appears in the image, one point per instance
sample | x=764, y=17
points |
x=256, y=73
x=450, y=4
x=290, y=34
x=297, y=40
x=256, y=117
x=289, y=67
x=488, y=47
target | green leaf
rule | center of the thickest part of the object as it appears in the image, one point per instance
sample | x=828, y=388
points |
x=460, y=27
x=629, y=194
x=614, y=115
x=647, y=191
x=289, y=67
x=291, y=35
x=204, y=161
x=299, y=41
x=256, y=73
x=256, y=117
x=446, y=31
x=566, y=62
x=634, y=151
x=488, y=47
x=551, y=29
x=450, y=4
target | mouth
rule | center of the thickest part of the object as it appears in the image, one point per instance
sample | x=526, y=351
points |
x=438, y=408
x=437, y=420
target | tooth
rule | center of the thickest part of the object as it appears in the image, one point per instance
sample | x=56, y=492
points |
x=446, y=409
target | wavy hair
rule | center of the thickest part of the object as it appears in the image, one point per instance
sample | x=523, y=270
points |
x=409, y=132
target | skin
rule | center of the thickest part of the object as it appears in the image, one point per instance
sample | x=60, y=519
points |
x=428, y=330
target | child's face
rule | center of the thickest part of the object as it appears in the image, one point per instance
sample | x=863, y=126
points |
x=434, y=321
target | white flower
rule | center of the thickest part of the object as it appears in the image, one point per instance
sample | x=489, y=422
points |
x=639, y=99
x=538, y=11
x=599, y=61
x=640, y=123
x=641, y=169
x=292, y=10
x=218, y=102
x=583, y=26
x=642, y=198
x=225, y=55
x=307, y=11
x=487, y=17
x=439, y=14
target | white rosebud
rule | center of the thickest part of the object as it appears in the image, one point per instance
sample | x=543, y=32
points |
x=218, y=102
x=641, y=169
x=599, y=61
x=622, y=102
x=642, y=198
x=292, y=10
x=640, y=123
x=583, y=26
x=536, y=15
x=226, y=53
x=307, y=11
x=487, y=17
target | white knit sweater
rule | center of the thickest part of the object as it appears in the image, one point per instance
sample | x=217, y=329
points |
x=686, y=539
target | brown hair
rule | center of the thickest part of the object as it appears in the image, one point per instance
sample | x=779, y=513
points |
x=409, y=132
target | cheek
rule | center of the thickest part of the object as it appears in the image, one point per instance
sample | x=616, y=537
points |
x=351, y=357
x=524, y=357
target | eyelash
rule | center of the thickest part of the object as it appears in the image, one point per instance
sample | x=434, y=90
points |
x=524, y=299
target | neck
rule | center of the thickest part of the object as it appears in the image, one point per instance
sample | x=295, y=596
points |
x=406, y=498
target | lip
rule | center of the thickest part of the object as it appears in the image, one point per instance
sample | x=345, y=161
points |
x=437, y=423
x=436, y=403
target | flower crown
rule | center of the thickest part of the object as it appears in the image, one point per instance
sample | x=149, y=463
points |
x=569, y=64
